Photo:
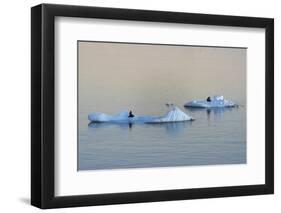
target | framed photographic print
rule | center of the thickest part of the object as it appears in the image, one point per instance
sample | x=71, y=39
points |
x=139, y=106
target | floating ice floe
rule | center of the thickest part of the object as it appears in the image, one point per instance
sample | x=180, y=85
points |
x=216, y=101
x=174, y=115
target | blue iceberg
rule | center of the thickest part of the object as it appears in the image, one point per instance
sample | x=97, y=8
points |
x=214, y=102
x=174, y=115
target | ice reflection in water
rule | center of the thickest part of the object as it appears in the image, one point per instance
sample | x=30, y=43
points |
x=217, y=136
x=171, y=128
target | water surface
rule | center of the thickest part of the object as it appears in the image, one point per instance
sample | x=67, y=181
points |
x=142, y=78
x=217, y=136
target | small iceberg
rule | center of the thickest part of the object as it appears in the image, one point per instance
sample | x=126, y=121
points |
x=174, y=115
x=216, y=101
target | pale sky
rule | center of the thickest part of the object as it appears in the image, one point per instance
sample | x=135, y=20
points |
x=114, y=76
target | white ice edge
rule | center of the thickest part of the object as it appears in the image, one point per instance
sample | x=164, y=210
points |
x=216, y=101
x=174, y=115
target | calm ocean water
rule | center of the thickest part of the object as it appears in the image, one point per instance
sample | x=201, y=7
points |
x=142, y=78
x=217, y=136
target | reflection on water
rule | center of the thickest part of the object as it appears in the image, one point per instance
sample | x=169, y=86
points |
x=216, y=136
x=142, y=78
x=97, y=125
x=171, y=128
x=215, y=110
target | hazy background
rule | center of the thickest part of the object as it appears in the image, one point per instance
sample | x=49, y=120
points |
x=117, y=76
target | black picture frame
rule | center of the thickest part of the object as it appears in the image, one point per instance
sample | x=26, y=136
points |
x=43, y=105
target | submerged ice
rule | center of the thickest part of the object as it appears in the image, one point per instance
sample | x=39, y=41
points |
x=216, y=101
x=173, y=115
